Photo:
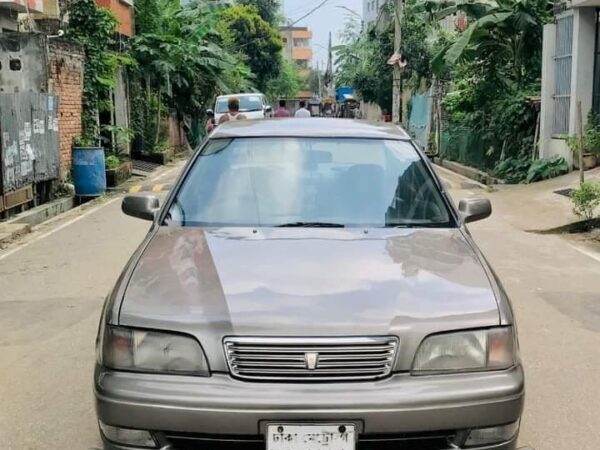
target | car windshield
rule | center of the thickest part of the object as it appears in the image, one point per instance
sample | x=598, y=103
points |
x=309, y=182
x=247, y=103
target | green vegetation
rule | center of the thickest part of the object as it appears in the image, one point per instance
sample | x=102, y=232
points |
x=257, y=41
x=488, y=74
x=112, y=162
x=179, y=60
x=286, y=84
x=586, y=200
x=94, y=28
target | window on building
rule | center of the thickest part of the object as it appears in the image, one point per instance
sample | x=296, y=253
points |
x=284, y=40
x=596, y=92
x=302, y=64
x=15, y=64
x=562, y=74
x=301, y=43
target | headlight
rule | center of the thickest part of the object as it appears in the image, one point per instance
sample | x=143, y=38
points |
x=152, y=351
x=466, y=351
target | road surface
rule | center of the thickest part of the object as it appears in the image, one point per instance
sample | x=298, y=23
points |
x=54, y=281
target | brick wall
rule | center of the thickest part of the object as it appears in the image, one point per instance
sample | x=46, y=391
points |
x=65, y=79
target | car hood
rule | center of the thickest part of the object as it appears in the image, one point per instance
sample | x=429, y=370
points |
x=299, y=282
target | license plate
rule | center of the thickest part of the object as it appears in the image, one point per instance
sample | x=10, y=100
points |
x=311, y=437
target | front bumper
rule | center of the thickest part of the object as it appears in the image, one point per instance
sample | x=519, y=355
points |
x=222, y=406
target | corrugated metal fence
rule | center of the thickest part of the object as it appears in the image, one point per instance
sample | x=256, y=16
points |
x=29, y=149
x=419, y=123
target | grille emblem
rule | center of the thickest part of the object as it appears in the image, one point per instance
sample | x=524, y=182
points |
x=311, y=360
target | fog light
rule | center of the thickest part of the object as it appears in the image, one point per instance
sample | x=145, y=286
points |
x=493, y=435
x=125, y=436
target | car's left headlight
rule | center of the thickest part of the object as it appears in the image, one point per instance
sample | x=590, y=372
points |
x=151, y=352
x=466, y=351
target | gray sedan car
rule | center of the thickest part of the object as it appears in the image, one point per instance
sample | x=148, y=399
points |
x=308, y=284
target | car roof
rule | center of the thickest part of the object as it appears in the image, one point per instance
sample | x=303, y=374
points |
x=245, y=94
x=314, y=127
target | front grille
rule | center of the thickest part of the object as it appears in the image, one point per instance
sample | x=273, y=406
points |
x=408, y=441
x=311, y=359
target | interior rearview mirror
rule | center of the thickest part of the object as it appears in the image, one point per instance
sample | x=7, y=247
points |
x=474, y=209
x=140, y=206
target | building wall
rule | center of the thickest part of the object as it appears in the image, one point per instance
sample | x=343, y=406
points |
x=65, y=64
x=23, y=60
x=8, y=21
x=581, y=81
x=123, y=11
x=297, y=45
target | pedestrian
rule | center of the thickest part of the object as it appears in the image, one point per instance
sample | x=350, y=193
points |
x=233, y=105
x=211, y=123
x=282, y=111
x=303, y=112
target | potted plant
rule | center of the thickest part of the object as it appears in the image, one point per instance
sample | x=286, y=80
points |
x=591, y=144
x=118, y=170
x=118, y=164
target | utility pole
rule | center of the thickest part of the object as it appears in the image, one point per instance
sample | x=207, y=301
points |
x=397, y=88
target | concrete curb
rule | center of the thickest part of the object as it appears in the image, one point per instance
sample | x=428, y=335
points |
x=469, y=173
x=24, y=222
x=465, y=182
x=44, y=212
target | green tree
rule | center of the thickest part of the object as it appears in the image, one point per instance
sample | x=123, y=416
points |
x=286, y=84
x=181, y=62
x=505, y=34
x=246, y=32
x=269, y=10
x=94, y=28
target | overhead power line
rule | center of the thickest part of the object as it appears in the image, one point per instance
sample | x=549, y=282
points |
x=316, y=8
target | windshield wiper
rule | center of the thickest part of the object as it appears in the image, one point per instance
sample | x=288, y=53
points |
x=311, y=225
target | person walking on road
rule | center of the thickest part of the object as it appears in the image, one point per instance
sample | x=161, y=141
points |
x=234, y=111
x=303, y=112
x=282, y=111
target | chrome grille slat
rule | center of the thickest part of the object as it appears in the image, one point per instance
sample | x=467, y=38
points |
x=360, y=358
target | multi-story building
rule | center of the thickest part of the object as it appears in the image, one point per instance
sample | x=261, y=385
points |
x=10, y=10
x=570, y=73
x=297, y=46
x=371, y=10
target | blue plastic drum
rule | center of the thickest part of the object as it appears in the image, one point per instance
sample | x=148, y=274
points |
x=89, y=173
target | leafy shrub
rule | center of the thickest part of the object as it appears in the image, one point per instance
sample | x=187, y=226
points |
x=543, y=169
x=112, y=162
x=513, y=170
x=586, y=199
x=523, y=170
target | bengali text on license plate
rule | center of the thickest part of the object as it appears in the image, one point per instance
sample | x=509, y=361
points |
x=310, y=437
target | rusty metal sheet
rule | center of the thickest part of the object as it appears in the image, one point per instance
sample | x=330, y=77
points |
x=44, y=137
x=29, y=147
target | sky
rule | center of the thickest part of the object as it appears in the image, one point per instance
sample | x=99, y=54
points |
x=328, y=18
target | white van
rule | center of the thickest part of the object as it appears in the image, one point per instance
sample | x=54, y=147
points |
x=253, y=106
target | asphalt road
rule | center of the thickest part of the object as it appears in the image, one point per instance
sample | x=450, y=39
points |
x=53, y=283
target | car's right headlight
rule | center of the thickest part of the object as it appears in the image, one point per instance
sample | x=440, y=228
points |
x=149, y=351
x=466, y=351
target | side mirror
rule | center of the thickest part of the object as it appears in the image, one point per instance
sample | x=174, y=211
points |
x=268, y=109
x=140, y=206
x=210, y=112
x=474, y=209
